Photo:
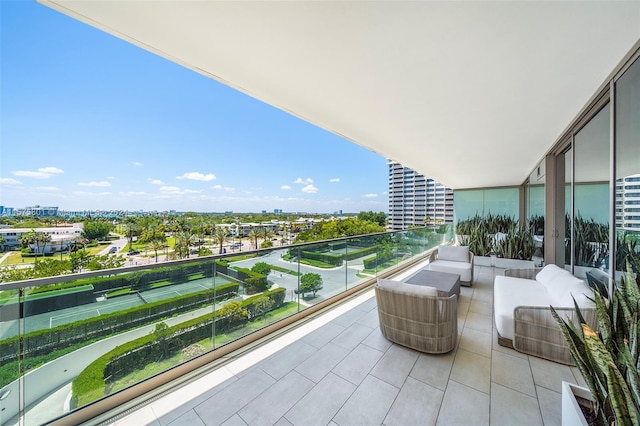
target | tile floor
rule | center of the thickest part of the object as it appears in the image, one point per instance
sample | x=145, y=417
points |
x=338, y=369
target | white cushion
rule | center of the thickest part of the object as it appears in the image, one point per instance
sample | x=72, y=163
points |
x=579, y=290
x=511, y=292
x=461, y=268
x=454, y=253
x=549, y=273
x=418, y=290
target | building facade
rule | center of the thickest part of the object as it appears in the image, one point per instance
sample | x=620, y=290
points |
x=415, y=200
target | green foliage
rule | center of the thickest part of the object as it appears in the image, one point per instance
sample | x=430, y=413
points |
x=310, y=283
x=380, y=217
x=89, y=385
x=335, y=229
x=43, y=342
x=609, y=359
x=204, y=251
x=517, y=244
x=261, y=268
x=254, y=282
x=95, y=230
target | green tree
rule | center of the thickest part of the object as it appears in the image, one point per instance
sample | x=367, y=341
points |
x=2, y=242
x=234, y=313
x=95, y=230
x=39, y=239
x=220, y=234
x=380, y=217
x=52, y=267
x=80, y=260
x=161, y=333
x=262, y=268
x=97, y=263
x=131, y=230
x=254, y=234
x=262, y=305
x=310, y=282
x=158, y=244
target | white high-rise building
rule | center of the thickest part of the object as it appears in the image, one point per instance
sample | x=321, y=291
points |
x=628, y=203
x=414, y=198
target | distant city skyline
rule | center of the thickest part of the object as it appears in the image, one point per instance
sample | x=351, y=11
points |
x=92, y=122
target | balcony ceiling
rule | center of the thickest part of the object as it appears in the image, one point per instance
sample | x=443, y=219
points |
x=468, y=93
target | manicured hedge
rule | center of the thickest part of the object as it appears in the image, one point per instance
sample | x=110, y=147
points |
x=254, y=282
x=44, y=341
x=90, y=384
x=331, y=259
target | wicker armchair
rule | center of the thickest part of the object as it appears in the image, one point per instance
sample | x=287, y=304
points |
x=424, y=323
x=536, y=332
x=435, y=256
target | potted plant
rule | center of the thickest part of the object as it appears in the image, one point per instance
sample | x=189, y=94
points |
x=609, y=358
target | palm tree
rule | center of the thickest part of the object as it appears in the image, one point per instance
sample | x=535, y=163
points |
x=37, y=238
x=266, y=234
x=184, y=241
x=254, y=234
x=157, y=244
x=219, y=236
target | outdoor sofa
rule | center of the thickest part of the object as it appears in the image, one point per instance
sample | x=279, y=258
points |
x=522, y=300
x=454, y=260
x=415, y=317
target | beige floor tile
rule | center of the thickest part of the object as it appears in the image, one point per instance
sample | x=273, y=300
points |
x=510, y=407
x=463, y=405
x=472, y=370
x=476, y=341
x=512, y=372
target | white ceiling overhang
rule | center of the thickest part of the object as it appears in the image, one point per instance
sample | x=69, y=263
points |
x=469, y=93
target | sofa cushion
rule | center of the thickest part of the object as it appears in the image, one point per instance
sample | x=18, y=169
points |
x=511, y=292
x=549, y=273
x=418, y=290
x=461, y=268
x=580, y=291
x=454, y=253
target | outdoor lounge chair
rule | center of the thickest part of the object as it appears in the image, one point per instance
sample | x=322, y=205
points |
x=413, y=316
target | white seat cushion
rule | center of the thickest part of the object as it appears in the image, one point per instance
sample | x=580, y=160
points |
x=454, y=253
x=511, y=292
x=418, y=290
x=461, y=268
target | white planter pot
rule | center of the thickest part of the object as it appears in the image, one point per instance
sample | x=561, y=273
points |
x=514, y=263
x=482, y=260
x=571, y=412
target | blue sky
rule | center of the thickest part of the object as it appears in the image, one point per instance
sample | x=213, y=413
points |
x=89, y=121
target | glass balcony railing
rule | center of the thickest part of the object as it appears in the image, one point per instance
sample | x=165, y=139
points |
x=69, y=341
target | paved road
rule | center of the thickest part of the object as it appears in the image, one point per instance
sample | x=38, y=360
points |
x=335, y=280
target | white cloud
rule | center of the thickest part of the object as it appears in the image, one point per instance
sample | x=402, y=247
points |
x=310, y=189
x=334, y=180
x=41, y=173
x=174, y=190
x=301, y=181
x=217, y=187
x=132, y=193
x=137, y=164
x=197, y=176
x=285, y=187
x=9, y=181
x=47, y=188
x=156, y=182
x=229, y=188
x=369, y=195
x=169, y=188
x=103, y=183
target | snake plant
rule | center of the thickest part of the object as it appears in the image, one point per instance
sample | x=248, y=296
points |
x=609, y=358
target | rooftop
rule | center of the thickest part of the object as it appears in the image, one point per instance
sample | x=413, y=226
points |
x=338, y=369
